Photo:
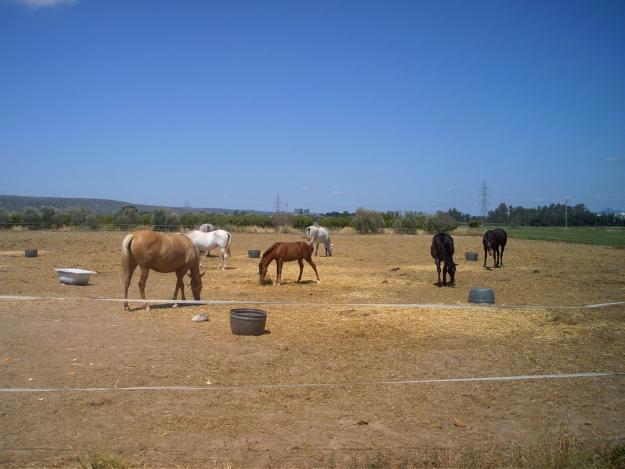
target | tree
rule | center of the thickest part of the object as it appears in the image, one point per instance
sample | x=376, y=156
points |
x=164, y=220
x=390, y=218
x=31, y=218
x=47, y=216
x=499, y=215
x=368, y=221
x=126, y=216
x=410, y=223
x=458, y=215
x=302, y=221
x=4, y=218
x=189, y=220
x=441, y=222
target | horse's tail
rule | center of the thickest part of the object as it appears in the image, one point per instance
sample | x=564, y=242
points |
x=228, y=244
x=125, y=261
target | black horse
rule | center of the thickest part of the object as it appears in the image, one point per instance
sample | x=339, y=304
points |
x=494, y=243
x=442, y=250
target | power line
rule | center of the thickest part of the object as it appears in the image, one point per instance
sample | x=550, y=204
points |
x=277, y=203
x=484, y=196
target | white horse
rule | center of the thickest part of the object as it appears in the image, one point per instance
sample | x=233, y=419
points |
x=318, y=234
x=206, y=241
x=206, y=228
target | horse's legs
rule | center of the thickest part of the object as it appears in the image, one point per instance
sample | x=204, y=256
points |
x=278, y=271
x=224, y=258
x=501, y=256
x=438, y=271
x=445, y=274
x=496, y=256
x=132, y=265
x=179, y=285
x=485, y=256
x=142, y=281
x=317, y=249
x=312, y=264
x=301, y=269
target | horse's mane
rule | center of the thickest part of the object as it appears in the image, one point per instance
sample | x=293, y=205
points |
x=268, y=251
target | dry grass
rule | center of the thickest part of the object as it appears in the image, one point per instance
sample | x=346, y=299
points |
x=322, y=340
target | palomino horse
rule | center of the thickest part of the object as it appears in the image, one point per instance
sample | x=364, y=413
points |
x=442, y=250
x=494, y=242
x=285, y=252
x=163, y=253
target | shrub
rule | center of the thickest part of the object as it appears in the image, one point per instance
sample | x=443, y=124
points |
x=164, y=220
x=441, y=222
x=4, y=218
x=410, y=223
x=31, y=218
x=474, y=223
x=302, y=221
x=126, y=216
x=368, y=221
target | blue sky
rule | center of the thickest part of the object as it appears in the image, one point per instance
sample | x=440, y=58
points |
x=400, y=105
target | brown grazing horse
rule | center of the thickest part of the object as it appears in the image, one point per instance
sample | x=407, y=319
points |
x=494, y=242
x=285, y=252
x=442, y=250
x=163, y=253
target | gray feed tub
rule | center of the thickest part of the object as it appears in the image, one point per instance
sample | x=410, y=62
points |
x=247, y=321
x=253, y=252
x=471, y=256
x=31, y=253
x=482, y=295
x=74, y=276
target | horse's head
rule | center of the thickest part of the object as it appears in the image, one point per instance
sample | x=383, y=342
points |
x=196, y=284
x=452, y=271
x=262, y=272
x=488, y=243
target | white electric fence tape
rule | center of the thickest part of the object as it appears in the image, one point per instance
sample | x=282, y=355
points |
x=257, y=387
x=294, y=303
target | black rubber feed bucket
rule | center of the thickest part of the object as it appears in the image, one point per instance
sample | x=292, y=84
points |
x=253, y=252
x=471, y=256
x=31, y=253
x=482, y=295
x=247, y=321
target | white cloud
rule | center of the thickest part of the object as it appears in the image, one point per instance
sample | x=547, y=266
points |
x=306, y=188
x=44, y=3
x=335, y=192
x=611, y=158
x=448, y=189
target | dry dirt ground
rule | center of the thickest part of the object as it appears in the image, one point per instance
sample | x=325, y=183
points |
x=237, y=421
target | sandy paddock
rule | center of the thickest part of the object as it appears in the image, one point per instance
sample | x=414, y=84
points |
x=359, y=352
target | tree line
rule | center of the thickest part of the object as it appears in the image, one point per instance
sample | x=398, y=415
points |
x=362, y=220
x=553, y=215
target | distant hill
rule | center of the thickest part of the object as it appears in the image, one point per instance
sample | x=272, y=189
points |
x=18, y=203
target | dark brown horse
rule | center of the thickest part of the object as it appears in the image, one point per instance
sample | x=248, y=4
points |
x=161, y=252
x=494, y=242
x=442, y=250
x=286, y=252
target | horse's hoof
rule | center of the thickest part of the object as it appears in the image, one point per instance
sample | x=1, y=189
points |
x=318, y=282
x=175, y=305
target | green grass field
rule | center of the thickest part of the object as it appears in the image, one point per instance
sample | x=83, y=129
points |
x=607, y=236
